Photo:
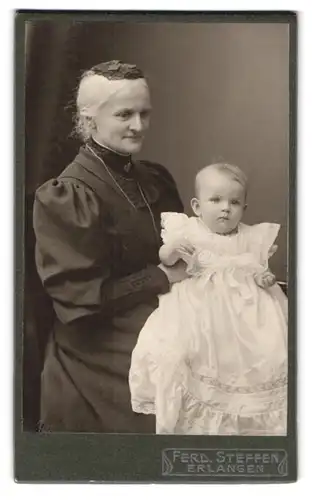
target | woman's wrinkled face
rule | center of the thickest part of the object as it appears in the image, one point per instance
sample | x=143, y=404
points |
x=121, y=122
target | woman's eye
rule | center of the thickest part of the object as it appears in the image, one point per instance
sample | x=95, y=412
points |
x=124, y=114
x=145, y=114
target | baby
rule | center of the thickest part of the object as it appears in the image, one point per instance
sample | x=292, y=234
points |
x=212, y=359
x=220, y=203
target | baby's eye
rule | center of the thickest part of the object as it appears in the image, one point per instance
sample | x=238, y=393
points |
x=235, y=202
x=215, y=199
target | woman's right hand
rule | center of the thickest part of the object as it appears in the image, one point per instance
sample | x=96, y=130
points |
x=175, y=273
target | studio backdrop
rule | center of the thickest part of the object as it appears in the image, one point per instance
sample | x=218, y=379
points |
x=219, y=92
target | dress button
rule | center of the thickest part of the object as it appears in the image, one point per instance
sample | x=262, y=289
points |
x=55, y=182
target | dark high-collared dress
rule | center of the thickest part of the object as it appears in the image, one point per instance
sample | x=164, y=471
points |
x=97, y=258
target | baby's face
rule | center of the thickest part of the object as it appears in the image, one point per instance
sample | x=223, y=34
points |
x=220, y=202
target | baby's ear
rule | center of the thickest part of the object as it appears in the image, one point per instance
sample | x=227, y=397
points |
x=195, y=206
x=245, y=206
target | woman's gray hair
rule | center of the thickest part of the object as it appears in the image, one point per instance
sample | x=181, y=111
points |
x=112, y=70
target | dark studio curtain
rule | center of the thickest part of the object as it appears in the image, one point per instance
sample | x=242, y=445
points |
x=56, y=54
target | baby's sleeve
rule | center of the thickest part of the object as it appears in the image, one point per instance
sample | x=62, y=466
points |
x=173, y=226
x=265, y=235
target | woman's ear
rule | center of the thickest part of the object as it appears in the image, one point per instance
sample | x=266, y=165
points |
x=93, y=123
x=195, y=206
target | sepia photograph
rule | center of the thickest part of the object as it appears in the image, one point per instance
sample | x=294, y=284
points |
x=156, y=167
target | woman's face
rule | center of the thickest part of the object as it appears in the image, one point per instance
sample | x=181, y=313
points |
x=121, y=122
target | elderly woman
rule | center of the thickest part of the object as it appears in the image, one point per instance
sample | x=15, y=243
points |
x=97, y=232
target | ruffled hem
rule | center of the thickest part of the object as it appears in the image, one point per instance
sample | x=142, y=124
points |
x=256, y=414
x=148, y=408
x=200, y=418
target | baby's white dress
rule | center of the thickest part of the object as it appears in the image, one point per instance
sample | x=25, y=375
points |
x=212, y=358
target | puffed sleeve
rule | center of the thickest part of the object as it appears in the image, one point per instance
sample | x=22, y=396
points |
x=264, y=236
x=173, y=226
x=74, y=252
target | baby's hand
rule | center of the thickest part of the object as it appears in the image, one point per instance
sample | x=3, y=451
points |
x=170, y=253
x=184, y=247
x=265, y=279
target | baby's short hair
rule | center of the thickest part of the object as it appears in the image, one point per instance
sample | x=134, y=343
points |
x=232, y=170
